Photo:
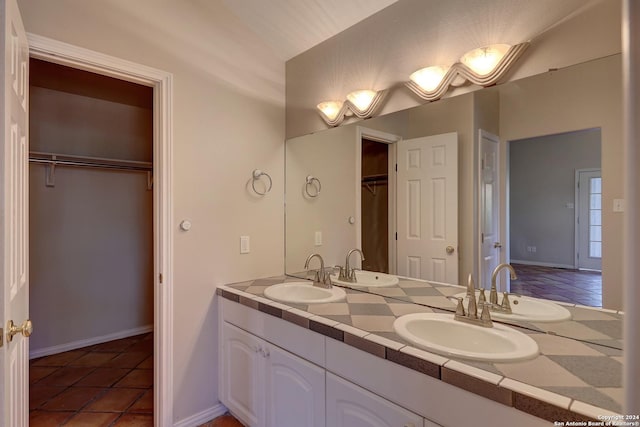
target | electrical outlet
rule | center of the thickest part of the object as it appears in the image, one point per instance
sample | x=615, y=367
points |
x=244, y=245
x=533, y=249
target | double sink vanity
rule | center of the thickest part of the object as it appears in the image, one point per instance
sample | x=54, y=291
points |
x=331, y=351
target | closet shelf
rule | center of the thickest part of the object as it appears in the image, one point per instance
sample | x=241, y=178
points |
x=89, y=162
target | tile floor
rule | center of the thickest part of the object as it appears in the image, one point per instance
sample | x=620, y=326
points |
x=223, y=421
x=559, y=284
x=108, y=384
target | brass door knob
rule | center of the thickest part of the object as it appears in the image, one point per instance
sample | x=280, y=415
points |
x=450, y=250
x=26, y=328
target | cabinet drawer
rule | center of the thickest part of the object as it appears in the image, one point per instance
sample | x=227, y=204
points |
x=300, y=341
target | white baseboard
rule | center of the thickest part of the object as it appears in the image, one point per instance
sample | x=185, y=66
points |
x=202, y=417
x=542, y=264
x=47, y=351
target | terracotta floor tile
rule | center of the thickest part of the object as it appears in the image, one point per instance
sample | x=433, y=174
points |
x=135, y=420
x=143, y=405
x=36, y=373
x=93, y=359
x=138, y=378
x=39, y=394
x=61, y=359
x=92, y=419
x=127, y=360
x=103, y=377
x=223, y=421
x=47, y=418
x=115, y=399
x=72, y=399
x=66, y=376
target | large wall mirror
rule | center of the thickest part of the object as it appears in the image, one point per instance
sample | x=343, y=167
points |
x=519, y=169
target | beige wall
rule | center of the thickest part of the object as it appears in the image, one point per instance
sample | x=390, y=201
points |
x=224, y=79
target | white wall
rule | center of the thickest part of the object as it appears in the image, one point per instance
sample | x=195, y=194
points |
x=228, y=120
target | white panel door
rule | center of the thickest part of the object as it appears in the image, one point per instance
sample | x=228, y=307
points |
x=488, y=207
x=349, y=405
x=242, y=390
x=428, y=208
x=294, y=390
x=14, y=305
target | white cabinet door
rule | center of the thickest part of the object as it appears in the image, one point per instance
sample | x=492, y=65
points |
x=351, y=406
x=242, y=390
x=294, y=390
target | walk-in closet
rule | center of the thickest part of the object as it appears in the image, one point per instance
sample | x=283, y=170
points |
x=91, y=232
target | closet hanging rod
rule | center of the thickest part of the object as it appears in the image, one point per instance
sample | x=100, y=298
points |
x=90, y=162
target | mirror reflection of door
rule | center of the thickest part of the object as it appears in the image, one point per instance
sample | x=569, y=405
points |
x=427, y=208
x=543, y=213
x=489, y=207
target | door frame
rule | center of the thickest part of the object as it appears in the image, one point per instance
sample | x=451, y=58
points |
x=162, y=82
x=477, y=191
x=391, y=140
x=576, y=210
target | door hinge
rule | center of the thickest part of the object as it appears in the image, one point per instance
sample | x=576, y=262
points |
x=396, y=235
x=1, y=337
x=396, y=167
x=481, y=237
x=160, y=277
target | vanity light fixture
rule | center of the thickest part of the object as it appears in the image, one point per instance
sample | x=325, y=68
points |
x=483, y=60
x=431, y=83
x=363, y=103
x=332, y=112
x=483, y=66
x=486, y=65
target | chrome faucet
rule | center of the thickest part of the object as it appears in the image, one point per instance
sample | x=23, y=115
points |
x=322, y=279
x=348, y=274
x=493, y=294
x=471, y=314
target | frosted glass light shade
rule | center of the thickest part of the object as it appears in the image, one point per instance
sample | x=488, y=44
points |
x=362, y=99
x=331, y=109
x=428, y=78
x=484, y=60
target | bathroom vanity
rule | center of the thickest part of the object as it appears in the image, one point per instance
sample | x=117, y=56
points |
x=306, y=365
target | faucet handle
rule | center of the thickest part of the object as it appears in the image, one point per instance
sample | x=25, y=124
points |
x=506, y=306
x=485, y=316
x=459, y=307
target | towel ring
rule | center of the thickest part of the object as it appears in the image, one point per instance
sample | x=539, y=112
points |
x=257, y=173
x=309, y=182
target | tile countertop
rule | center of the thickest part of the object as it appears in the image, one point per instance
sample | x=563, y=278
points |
x=570, y=380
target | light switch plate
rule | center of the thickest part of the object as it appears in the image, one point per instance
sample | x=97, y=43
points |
x=244, y=245
x=618, y=205
x=318, y=238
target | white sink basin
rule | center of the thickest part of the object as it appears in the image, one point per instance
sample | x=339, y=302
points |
x=527, y=309
x=440, y=333
x=369, y=279
x=303, y=293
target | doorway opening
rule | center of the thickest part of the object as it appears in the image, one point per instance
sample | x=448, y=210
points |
x=375, y=205
x=91, y=241
x=545, y=241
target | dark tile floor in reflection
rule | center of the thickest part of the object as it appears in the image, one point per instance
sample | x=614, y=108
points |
x=108, y=384
x=559, y=284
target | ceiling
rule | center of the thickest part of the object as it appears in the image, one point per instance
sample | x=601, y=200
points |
x=291, y=27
